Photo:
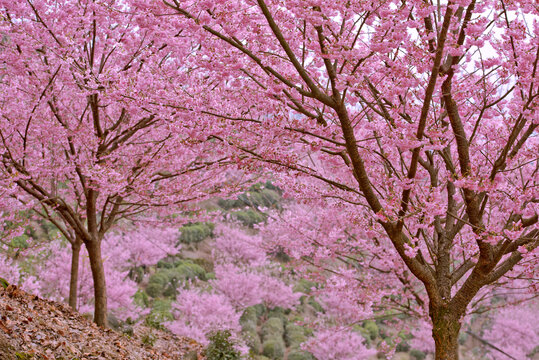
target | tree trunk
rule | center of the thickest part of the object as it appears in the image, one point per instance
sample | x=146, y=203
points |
x=98, y=275
x=74, y=280
x=445, y=331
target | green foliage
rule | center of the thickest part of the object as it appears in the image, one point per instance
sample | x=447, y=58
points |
x=249, y=217
x=315, y=304
x=164, y=264
x=299, y=355
x=4, y=283
x=268, y=185
x=262, y=198
x=165, y=281
x=252, y=340
x=228, y=204
x=23, y=356
x=210, y=276
x=206, y=264
x=279, y=312
x=417, y=354
x=154, y=290
x=149, y=339
x=137, y=274
x=221, y=347
x=141, y=299
x=157, y=284
x=371, y=329
x=195, y=233
x=294, y=335
x=249, y=319
x=273, y=327
x=159, y=277
x=304, y=286
x=20, y=242
x=188, y=270
x=259, y=195
x=160, y=313
x=260, y=309
x=403, y=346
x=273, y=348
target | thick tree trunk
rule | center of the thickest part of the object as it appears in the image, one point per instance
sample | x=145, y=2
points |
x=445, y=331
x=74, y=280
x=98, y=275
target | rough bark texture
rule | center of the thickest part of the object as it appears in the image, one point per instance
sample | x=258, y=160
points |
x=98, y=275
x=74, y=276
x=445, y=331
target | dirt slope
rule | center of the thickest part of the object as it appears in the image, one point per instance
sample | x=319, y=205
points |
x=37, y=329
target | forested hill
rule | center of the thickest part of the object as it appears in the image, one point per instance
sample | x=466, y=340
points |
x=37, y=329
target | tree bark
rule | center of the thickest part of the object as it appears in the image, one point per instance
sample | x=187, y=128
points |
x=74, y=279
x=98, y=275
x=445, y=331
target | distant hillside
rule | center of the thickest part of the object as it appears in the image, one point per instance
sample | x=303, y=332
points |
x=37, y=329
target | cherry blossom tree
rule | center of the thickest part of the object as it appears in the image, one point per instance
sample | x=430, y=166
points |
x=122, y=251
x=52, y=279
x=514, y=330
x=244, y=276
x=338, y=344
x=83, y=142
x=415, y=121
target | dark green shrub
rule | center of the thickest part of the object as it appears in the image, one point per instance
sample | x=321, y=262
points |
x=165, y=281
x=187, y=270
x=160, y=313
x=221, y=347
x=20, y=242
x=371, y=328
x=157, y=283
x=417, y=354
x=403, y=346
x=294, y=335
x=206, y=264
x=141, y=298
x=261, y=309
x=263, y=198
x=137, y=274
x=248, y=319
x=159, y=277
x=279, y=312
x=273, y=327
x=252, y=340
x=304, y=286
x=154, y=289
x=315, y=304
x=259, y=357
x=195, y=233
x=258, y=195
x=163, y=264
x=228, y=204
x=268, y=185
x=273, y=348
x=249, y=217
x=299, y=355
x=210, y=276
